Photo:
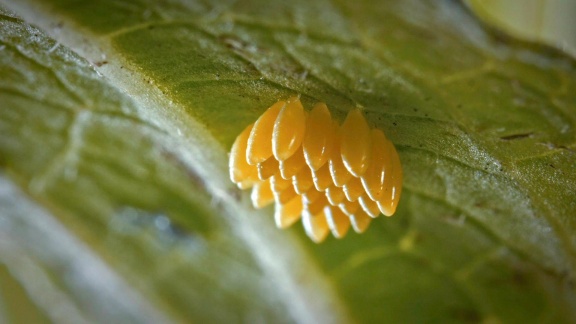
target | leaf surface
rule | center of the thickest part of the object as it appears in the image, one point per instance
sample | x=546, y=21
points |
x=116, y=118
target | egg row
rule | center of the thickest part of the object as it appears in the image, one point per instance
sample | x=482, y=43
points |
x=313, y=169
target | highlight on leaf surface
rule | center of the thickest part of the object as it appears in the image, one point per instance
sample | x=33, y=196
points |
x=312, y=169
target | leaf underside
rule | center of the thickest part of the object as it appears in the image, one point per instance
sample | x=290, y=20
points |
x=115, y=119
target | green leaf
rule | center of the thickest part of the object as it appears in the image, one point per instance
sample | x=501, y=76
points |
x=115, y=120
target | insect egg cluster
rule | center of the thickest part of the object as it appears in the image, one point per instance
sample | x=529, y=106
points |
x=311, y=168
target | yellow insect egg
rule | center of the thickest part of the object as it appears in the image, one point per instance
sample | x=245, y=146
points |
x=392, y=185
x=285, y=195
x=339, y=173
x=360, y=221
x=267, y=168
x=349, y=207
x=288, y=130
x=338, y=222
x=302, y=182
x=373, y=179
x=397, y=178
x=240, y=170
x=335, y=195
x=322, y=178
x=288, y=214
x=314, y=207
x=262, y=194
x=292, y=165
x=316, y=226
x=311, y=196
x=259, y=143
x=277, y=183
x=331, y=177
x=355, y=145
x=353, y=189
x=369, y=206
x=320, y=138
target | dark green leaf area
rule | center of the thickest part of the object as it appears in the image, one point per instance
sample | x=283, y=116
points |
x=484, y=125
x=84, y=149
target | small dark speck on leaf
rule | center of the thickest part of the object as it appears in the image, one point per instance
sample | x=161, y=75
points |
x=394, y=123
x=519, y=278
x=480, y=204
x=100, y=63
x=552, y=166
x=516, y=136
x=466, y=315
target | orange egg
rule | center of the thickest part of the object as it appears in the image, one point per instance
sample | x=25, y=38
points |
x=240, y=170
x=315, y=225
x=320, y=138
x=262, y=194
x=267, y=168
x=373, y=178
x=311, y=196
x=353, y=189
x=322, y=178
x=369, y=206
x=292, y=165
x=289, y=129
x=335, y=195
x=338, y=171
x=260, y=141
x=355, y=143
x=360, y=221
x=288, y=213
x=349, y=207
x=302, y=181
x=338, y=222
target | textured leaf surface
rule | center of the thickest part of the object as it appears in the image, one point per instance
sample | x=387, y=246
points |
x=118, y=124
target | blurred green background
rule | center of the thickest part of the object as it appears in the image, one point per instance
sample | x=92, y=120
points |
x=546, y=21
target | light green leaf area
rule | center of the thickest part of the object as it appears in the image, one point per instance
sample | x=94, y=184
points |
x=118, y=124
